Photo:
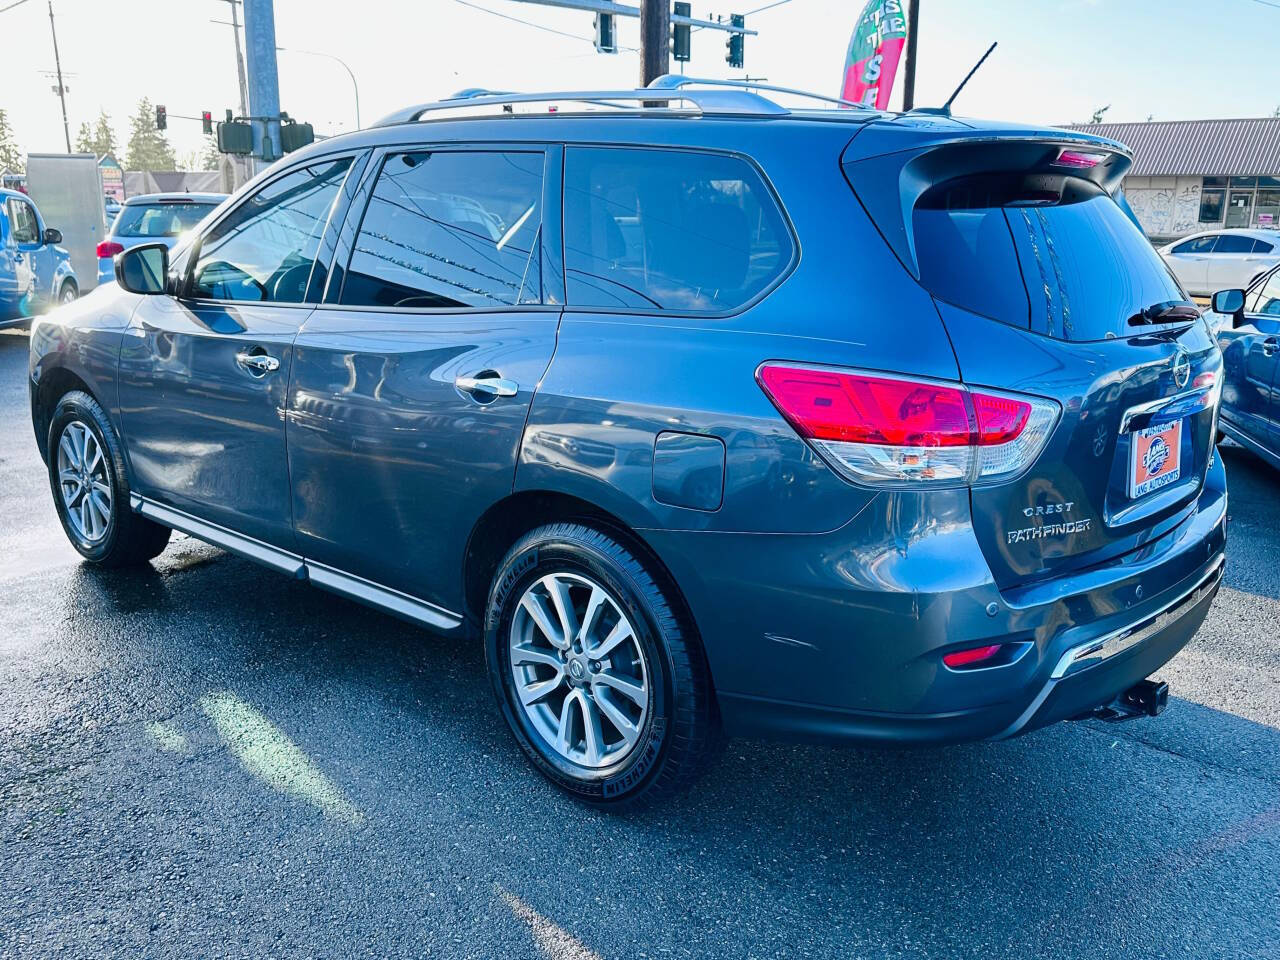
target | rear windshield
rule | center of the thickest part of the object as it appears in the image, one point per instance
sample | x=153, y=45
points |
x=159, y=219
x=1054, y=255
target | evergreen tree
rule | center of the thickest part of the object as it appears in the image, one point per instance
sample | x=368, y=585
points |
x=210, y=158
x=104, y=138
x=149, y=148
x=84, y=139
x=98, y=140
x=11, y=157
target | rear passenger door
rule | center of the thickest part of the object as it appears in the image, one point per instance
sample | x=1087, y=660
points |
x=412, y=381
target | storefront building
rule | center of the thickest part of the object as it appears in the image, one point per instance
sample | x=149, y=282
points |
x=1194, y=175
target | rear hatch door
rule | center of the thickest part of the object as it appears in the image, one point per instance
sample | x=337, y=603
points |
x=1047, y=287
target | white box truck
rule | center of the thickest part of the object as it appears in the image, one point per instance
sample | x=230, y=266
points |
x=67, y=188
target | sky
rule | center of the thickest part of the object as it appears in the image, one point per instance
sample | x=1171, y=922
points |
x=1058, y=60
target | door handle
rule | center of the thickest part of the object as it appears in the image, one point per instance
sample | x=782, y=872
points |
x=487, y=386
x=258, y=363
x=1269, y=346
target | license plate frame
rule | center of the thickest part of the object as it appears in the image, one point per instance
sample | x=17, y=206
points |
x=1155, y=458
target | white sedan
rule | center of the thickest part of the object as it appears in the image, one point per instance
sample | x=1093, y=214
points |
x=1222, y=259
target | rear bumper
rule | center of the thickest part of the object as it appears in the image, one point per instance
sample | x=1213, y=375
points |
x=849, y=650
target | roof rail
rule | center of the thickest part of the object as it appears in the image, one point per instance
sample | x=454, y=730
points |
x=675, y=81
x=734, y=102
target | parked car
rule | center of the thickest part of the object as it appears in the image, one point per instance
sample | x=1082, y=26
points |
x=152, y=218
x=110, y=210
x=35, y=271
x=934, y=480
x=1221, y=259
x=1249, y=336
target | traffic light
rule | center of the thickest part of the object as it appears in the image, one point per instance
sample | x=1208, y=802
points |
x=735, y=42
x=680, y=33
x=606, y=38
x=162, y=117
x=235, y=137
x=293, y=135
x=206, y=122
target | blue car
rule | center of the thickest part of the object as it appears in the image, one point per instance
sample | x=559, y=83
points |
x=152, y=218
x=1248, y=326
x=702, y=414
x=35, y=272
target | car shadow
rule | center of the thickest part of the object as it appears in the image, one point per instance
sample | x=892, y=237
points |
x=1070, y=841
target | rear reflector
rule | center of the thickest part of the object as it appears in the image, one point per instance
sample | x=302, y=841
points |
x=969, y=658
x=894, y=431
x=109, y=248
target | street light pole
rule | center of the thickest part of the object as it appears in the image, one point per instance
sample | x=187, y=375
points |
x=329, y=56
x=62, y=90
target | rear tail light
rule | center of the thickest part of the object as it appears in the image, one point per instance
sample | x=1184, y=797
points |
x=109, y=248
x=892, y=431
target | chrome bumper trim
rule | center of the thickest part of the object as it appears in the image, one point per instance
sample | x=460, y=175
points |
x=1103, y=648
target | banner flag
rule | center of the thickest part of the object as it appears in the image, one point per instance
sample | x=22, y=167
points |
x=874, y=51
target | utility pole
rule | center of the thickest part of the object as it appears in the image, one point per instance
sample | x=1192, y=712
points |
x=655, y=40
x=62, y=90
x=264, y=78
x=909, y=80
x=235, y=32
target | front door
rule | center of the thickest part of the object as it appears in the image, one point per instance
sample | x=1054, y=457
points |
x=1239, y=205
x=1251, y=358
x=1189, y=261
x=412, y=383
x=204, y=375
x=28, y=255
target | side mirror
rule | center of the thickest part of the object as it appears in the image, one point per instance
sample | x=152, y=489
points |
x=1230, y=302
x=52, y=236
x=143, y=269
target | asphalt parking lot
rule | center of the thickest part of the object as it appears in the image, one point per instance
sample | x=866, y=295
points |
x=207, y=759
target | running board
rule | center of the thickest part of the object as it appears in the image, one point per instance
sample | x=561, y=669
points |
x=336, y=581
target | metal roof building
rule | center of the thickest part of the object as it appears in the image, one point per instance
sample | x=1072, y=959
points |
x=1193, y=175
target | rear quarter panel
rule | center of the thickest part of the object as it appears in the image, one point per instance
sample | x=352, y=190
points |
x=618, y=379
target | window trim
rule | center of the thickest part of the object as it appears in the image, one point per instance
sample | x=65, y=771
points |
x=551, y=250
x=357, y=157
x=788, y=269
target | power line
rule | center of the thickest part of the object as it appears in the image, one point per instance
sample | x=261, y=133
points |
x=12, y=5
x=504, y=16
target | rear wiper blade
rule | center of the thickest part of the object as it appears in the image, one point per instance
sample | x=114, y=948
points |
x=1169, y=312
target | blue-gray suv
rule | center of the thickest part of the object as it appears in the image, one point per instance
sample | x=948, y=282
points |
x=707, y=414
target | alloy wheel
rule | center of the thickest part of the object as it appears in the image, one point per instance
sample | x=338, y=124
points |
x=84, y=482
x=580, y=672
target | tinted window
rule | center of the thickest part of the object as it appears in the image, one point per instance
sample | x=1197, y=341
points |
x=1198, y=245
x=450, y=229
x=1261, y=246
x=668, y=230
x=1234, y=243
x=1062, y=260
x=159, y=219
x=265, y=248
x=23, y=223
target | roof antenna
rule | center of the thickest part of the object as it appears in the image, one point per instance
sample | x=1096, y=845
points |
x=945, y=109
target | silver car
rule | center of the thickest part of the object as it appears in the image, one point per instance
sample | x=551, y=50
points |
x=1222, y=259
